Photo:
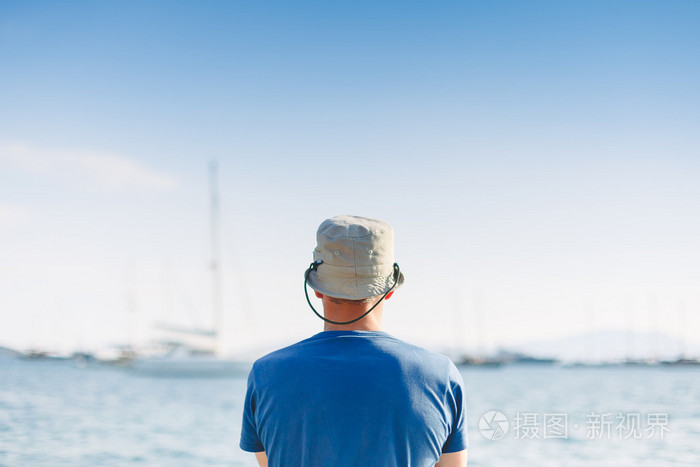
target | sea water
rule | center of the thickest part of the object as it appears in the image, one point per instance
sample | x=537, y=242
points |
x=56, y=414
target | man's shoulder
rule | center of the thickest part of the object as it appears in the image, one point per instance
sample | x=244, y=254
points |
x=381, y=343
x=283, y=354
x=425, y=358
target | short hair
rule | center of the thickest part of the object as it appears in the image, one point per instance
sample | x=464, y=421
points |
x=347, y=301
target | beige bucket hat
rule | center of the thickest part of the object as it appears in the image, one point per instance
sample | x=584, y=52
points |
x=354, y=258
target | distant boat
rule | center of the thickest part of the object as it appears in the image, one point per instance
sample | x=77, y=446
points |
x=478, y=359
x=182, y=359
x=504, y=358
x=526, y=360
x=35, y=354
x=467, y=361
x=682, y=362
x=638, y=362
x=519, y=358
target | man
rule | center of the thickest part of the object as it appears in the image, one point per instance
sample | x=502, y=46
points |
x=353, y=395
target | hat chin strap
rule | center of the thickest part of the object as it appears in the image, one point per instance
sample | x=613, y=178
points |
x=314, y=266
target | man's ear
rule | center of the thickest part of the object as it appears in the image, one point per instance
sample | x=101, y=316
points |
x=388, y=296
x=318, y=294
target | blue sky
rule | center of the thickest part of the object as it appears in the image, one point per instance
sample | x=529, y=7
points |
x=543, y=155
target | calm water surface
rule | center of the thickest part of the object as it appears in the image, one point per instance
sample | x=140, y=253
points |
x=54, y=414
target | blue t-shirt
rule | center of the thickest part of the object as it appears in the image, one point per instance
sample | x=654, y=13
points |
x=354, y=398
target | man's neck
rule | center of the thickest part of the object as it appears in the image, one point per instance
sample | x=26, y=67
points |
x=343, y=313
x=358, y=326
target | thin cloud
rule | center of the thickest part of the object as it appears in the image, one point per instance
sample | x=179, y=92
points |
x=106, y=171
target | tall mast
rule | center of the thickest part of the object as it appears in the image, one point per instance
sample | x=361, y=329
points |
x=480, y=324
x=457, y=326
x=216, y=298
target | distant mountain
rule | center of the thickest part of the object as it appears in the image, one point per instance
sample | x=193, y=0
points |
x=610, y=346
x=6, y=352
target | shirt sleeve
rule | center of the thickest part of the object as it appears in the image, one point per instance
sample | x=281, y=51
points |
x=458, y=439
x=250, y=441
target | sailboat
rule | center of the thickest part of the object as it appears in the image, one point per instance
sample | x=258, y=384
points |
x=205, y=361
x=480, y=359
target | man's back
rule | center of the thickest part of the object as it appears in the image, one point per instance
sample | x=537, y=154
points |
x=350, y=398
